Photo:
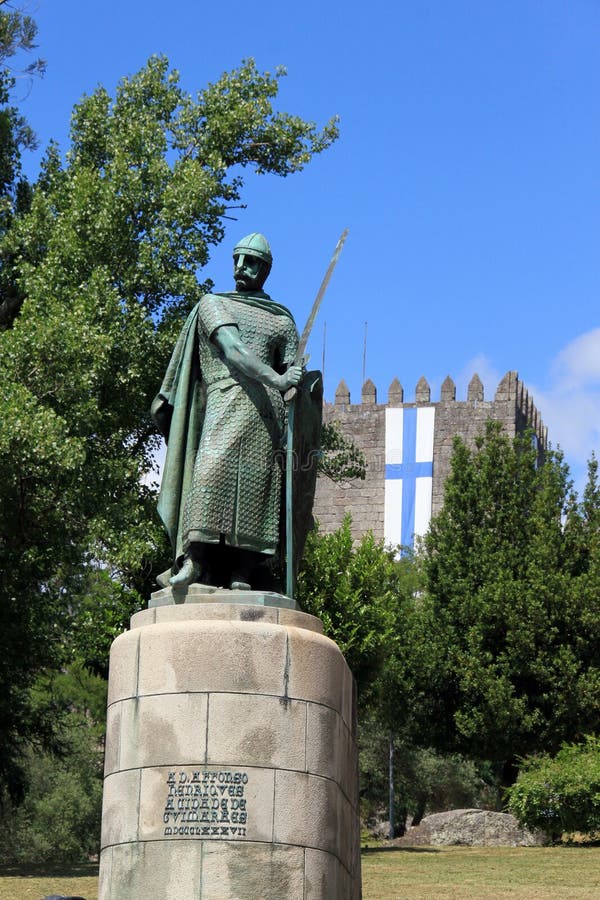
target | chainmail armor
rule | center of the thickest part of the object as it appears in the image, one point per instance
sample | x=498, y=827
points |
x=236, y=484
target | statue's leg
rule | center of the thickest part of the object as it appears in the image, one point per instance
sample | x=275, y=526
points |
x=219, y=565
x=248, y=570
x=241, y=568
x=195, y=566
x=267, y=574
x=188, y=573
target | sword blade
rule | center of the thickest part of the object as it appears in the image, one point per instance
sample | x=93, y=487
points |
x=289, y=398
x=315, y=307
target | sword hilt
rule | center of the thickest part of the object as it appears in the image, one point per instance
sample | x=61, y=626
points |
x=292, y=391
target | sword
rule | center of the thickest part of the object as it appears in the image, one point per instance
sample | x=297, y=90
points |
x=299, y=359
x=289, y=398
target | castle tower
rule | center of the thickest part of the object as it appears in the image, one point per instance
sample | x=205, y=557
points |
x=408, y=448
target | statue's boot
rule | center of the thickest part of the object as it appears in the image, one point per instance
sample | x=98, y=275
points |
x=238, y=583
x=243, y=570
x=189, y=572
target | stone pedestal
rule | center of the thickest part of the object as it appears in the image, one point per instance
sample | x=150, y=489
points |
x=231, y=767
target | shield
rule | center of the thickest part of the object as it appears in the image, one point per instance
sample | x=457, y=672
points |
x=308, y=416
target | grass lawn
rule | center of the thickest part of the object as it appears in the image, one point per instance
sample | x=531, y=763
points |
x=34, y=883
x=527, y=873
x=404, y=873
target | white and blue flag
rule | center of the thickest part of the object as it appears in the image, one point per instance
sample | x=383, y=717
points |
x=408, y=473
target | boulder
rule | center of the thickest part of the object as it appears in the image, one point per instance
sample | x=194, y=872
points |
x=473, y=828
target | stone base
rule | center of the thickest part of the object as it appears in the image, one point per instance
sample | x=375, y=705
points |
x=204, y=593
x=231, y=765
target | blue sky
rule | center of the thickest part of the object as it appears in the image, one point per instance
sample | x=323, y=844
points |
x=468, y=173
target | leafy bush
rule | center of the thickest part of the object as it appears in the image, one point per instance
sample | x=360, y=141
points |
x=561, y=793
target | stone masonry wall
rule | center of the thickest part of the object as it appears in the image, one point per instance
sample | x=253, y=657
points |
x=364, y=423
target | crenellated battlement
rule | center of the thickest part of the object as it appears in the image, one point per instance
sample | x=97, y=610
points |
x=365, y=422
x=511, y=391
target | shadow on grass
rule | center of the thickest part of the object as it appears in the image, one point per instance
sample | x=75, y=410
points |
x=50, y=870
x=578, y=845
x=399, y=850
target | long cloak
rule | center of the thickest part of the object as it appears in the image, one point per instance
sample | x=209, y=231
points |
x=178, y=410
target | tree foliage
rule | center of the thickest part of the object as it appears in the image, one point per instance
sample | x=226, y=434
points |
x=517, y=629
x=560, y=793
x=424, y=781
x=368, y=602
x=59, y=819
x=18, y=33
x=351, y=589
x=99, y=267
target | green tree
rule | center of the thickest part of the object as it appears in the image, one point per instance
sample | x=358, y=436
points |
x=405, y=714
x=59, y=819
x=351, y=589
x=369, y=605
x=582, y=526
x=18, y=33
x=424, y=781
x=517, y=674
x=560, y=793
x=105, y=259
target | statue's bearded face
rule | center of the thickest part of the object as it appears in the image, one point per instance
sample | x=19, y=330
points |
x=249, y=272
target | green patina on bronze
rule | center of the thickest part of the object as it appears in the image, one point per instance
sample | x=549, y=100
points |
x=222, y=412
x=255, y=245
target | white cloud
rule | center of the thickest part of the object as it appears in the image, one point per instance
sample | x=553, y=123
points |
x=573, y=419
x=570, y=405
x=569, y=401
x=578, y=364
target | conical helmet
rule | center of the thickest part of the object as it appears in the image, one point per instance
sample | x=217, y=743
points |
x=254, y=244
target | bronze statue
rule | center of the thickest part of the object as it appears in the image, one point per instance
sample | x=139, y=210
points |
x=222, y=411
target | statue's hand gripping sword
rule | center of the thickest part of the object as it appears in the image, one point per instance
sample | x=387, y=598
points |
x=289, y=398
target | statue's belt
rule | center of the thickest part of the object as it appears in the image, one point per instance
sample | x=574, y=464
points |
x=222, y=384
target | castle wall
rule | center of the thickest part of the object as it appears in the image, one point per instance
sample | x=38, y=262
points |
x=364, y=500
x=364, y=423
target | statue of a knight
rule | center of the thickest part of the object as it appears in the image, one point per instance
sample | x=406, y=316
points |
x=222, y=412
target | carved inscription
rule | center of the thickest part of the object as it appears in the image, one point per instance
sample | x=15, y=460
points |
x=208, y=804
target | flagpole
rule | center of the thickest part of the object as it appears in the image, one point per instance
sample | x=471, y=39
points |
x=364, y=372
